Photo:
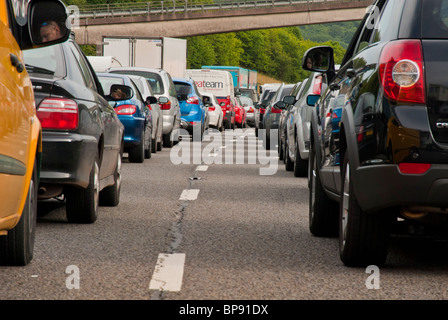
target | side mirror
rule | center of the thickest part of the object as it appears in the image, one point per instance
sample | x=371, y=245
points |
x=289, y=99
x=318, y=59
x=311, y=99
x=48, y=22
x=120, y=92
x=151, y=100
x=280, y=105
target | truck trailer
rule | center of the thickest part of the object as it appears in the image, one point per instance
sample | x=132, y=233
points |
x=169, y=54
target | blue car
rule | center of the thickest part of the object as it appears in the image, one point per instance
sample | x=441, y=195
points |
x=192, y=109
x=133, y=112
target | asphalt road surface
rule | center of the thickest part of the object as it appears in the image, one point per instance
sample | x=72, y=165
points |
x=201, y=230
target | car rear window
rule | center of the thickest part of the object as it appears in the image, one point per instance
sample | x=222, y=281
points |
x=183, y=90
x=107, y=82
x=435, y=19
x=46, y=61
x=155, y=81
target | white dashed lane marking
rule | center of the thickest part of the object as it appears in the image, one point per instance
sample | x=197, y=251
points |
x=168, y=273
x=189, y=194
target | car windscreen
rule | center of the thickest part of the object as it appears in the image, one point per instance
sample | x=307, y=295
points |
x=45, y=61
x=435, y=19
x=154, y=80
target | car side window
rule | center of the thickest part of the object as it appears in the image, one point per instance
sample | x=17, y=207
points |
x=85, y=71
x=384, y=31
x=172, y=89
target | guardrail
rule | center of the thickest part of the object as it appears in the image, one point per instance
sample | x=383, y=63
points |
x=183, y=6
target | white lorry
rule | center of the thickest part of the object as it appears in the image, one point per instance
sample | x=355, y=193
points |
x=219, y=83
x=169, y=54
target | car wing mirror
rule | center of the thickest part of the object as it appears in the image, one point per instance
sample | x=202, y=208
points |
x=151, y=100
x=48, y=23
x=318, y=59
x=311, y=99
x=289, y=100
x=120, y=92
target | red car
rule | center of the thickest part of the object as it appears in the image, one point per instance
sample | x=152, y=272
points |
x=240, y=113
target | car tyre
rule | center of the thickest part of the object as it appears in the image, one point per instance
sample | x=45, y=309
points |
x=281, y=153
x=363, y=238
x=110, y=196
x=82, y=204
x=17, y=247
x=300, y=166
x=149, y=149
x=289, y=164
x=137, y=152
x=167, y=141
x=323, y=212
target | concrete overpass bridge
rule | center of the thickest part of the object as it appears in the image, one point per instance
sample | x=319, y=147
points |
x=183, y=18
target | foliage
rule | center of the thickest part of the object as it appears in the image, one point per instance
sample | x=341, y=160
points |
x=274, y=52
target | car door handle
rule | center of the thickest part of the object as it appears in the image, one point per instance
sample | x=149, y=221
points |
x=16, y=63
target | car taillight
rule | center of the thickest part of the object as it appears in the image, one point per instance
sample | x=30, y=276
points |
x=58, y=113
x=401, y=71
x=149, y=107
x=317, y=85
x=414, y=168
x=251, y=110
x=275, y=110
x=193, y=100
x=165, y=106
x=262, y=110
x=126, y=109
x=211, y=108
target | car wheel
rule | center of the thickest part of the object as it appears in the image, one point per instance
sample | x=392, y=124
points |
x=17, y=247
x=323, y=212
x=300, y=165
x=82, y=204
x=137, y=152
x=148, y=150
x=289, y=164
x=110, y=196
x=280, y=149
x=167, y=141
x=363, y=238
x=154, y=145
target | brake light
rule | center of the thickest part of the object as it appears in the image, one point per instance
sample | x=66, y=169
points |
x=211, y=108
x=251, y=110
x=317, y=85
x=165, y=106
x=275, y=110
x=414, y=168
x=57, y=113
x=193, y=100
x=262, y=110
x=149, y=107
x=126, y=109
x=401, y=71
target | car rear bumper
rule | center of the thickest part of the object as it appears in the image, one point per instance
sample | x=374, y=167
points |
x=382, y=186
x=132, y=129
x=67, y=158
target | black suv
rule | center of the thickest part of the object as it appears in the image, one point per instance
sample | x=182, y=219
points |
x=388, y=156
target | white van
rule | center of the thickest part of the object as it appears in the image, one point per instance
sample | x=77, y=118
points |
x=220, y=83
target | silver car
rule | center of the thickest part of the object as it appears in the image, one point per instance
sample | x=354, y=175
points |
x=163, y=89
x=157, y=118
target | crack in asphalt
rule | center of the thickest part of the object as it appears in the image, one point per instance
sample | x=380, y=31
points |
x=174, y=234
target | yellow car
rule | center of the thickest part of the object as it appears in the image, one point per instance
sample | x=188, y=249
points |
x=22, y=26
